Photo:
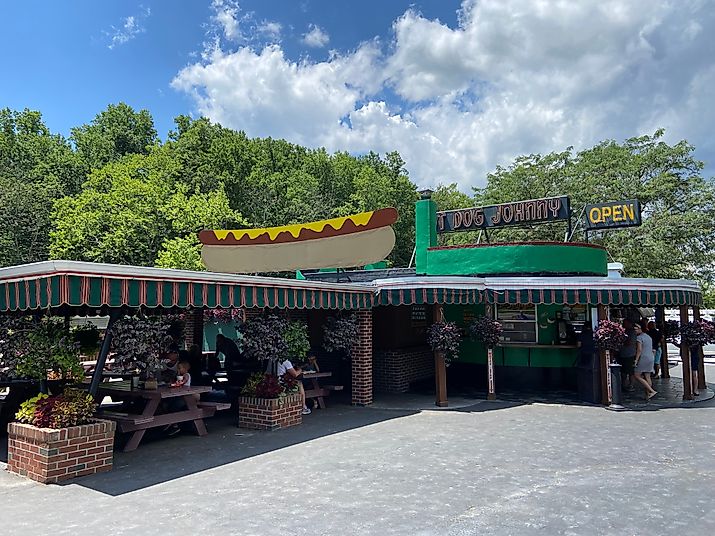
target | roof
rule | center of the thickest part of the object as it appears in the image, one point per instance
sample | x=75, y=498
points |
x=55, y=284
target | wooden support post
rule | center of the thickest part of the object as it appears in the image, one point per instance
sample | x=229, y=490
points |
x=660, y=322
x=604, y=358
x=701, y=358
x=440, y=366
x=685, y=358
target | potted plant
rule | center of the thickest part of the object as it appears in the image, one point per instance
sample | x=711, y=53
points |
x=444, y=338
x=339, y=336
x=262, y=338
x=269, y=403
x=57, y=438
x=296, y=339
x=609, y=336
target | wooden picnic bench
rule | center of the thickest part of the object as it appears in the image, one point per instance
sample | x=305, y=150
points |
x=138, y=423
x=316, y=391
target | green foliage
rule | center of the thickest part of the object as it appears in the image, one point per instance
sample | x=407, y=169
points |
x=72, y=408
x=113, y=133
x=139, y=342
x=32, y=349
x=677, y=238
x=87, y=337
x=340, y=333
x=296, y=338
x=26, y=413
x=262, y=338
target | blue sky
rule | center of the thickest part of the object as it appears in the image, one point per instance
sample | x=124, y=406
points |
x=456, y=87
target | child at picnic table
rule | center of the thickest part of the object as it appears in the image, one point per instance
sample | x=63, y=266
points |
x=183, y=378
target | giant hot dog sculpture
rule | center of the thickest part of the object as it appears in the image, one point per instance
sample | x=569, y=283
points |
x=344, y=242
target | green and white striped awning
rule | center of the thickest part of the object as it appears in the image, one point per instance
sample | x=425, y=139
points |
x=57, y=284
x=611, y=291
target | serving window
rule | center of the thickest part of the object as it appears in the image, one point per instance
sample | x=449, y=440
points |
x=518, y=323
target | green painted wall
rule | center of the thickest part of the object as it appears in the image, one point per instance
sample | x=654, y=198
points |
x=473, y=352
x=517, y=259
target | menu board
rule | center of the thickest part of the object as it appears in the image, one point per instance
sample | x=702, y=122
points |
x=518, y=323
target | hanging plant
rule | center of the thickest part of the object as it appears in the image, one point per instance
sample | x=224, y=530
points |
x=222, y=316
x=671, y=331
x=263, y=338
x=697, y=333
x=340, y=333
x=444, y=337
x=486, y=331
x=610, y=335
x=139, y=342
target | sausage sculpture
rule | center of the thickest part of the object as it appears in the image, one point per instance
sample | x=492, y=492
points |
x=344, y=242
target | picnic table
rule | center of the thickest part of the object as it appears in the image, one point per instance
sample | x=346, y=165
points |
x=139, y=423
x=316, y=391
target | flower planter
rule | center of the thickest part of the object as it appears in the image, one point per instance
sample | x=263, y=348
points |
x=48, y=455
x=270, y=413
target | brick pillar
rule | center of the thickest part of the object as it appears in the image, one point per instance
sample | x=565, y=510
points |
x=194, y=328
x=362, y=360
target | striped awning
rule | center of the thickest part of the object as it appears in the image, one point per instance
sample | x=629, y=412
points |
x=55, y=284
x=538, y=290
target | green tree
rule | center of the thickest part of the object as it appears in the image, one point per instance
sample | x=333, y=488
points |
x=36, y=167
x=677, y=237
x=129, y=212
x=113, y=133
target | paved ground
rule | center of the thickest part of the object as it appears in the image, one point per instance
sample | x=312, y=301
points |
x=490, y=468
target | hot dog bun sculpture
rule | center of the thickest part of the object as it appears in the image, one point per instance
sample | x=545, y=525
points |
x=344, y=242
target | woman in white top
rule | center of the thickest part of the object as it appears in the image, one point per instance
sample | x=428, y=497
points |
x=286, y=367
x=645, y=358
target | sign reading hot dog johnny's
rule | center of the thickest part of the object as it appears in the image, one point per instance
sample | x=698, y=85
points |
x=613, y=215
x=528, y=212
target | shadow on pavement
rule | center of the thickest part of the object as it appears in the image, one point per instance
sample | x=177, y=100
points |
x=161, y=459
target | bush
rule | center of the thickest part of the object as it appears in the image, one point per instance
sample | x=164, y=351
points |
x=72, y=408
x=263, y=338
x=296, y=338
x=263, y=385
x=139, y=342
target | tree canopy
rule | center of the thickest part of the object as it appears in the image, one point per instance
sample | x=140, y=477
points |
x=113, y=192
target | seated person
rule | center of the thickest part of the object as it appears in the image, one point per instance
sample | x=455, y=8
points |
x=173, y=404
x=286, y=367
x=171, y=362
x=183, y=378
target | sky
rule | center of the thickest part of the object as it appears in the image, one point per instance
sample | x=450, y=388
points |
x=457, y=88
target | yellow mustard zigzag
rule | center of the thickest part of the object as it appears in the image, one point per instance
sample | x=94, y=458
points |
x=336, y=223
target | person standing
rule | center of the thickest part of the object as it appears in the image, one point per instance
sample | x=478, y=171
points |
x=643, y=364
x=627, y=355
x=657, y=338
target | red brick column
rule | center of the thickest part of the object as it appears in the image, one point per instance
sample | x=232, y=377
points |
x=50, y=456
x=362, y=360
x=194, y=328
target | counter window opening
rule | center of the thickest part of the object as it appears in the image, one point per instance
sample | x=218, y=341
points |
x=519, y=323
x=545, y=324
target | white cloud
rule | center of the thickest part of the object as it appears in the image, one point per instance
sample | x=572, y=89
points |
x=511, y=78
x=271, y=30
x=226, y=16
x=316, y=37
x=130, y=28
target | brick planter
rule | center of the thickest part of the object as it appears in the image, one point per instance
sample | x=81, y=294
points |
x=49, y=456
x=269, y=413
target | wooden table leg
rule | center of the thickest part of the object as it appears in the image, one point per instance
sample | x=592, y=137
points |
x=149, y=411
x=316, y=386
x=198, y=423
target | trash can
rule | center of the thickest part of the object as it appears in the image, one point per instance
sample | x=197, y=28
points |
x=588, y=377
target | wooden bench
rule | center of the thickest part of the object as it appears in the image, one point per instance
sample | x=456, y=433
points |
x=218, y=406
x=125, y=420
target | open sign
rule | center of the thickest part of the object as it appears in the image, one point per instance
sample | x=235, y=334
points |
x=613, y=214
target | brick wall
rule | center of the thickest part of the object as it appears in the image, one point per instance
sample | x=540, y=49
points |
x=395, y=369
x=269, y=413
x=50, y=456
x=362, y=360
